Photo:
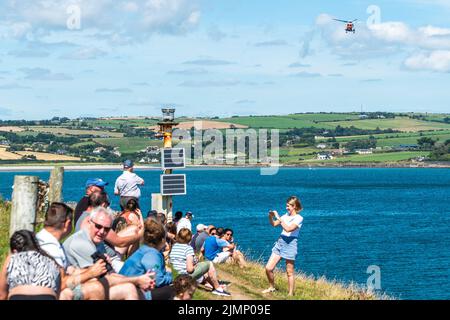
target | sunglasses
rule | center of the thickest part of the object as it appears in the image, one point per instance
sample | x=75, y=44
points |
x=213, y=233
x=228, y=234
x=100, y=227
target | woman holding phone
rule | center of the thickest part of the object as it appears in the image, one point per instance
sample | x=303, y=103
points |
x=286, y=245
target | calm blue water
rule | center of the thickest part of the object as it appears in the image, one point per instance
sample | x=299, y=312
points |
x=397, y=219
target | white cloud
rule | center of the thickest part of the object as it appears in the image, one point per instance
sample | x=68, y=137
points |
x=113, y=90
x=120, y=19
x=392, y=32
x=84, y=54
x=437, y=61
x=389, y=38
x=44, y=75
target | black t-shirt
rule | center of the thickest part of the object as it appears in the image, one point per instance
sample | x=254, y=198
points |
x=81, y=207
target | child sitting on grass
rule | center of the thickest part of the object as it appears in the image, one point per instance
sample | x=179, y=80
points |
x=184, y=286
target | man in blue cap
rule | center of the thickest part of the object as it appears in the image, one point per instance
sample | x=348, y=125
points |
x=127, y=185
x=92, y=185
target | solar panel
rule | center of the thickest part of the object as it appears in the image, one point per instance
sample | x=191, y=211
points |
x=173, y=158
x=173, y=184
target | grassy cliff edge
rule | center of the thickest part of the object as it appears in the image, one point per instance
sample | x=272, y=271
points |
x=247, y=283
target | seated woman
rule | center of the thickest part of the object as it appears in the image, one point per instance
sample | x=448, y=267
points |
x=127, y=224
x=184, y=261
x=29, y=273
x=148, y=258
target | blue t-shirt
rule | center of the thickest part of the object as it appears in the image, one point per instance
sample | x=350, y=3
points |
x=146, y=259
x=213, y=246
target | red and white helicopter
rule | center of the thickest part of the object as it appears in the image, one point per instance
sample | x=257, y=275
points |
x=350, y=25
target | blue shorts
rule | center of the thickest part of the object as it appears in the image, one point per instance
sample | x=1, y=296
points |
x=286, y=247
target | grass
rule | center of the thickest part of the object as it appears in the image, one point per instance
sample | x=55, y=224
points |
x=413, y=136
x=399, y=123
x=252, y=280
x=116, y=123
x=376, y=157
x=248, y=282
x=330, y=121
x=277, y=122
x=5, y=211
x=69, y=132
x=128, y=145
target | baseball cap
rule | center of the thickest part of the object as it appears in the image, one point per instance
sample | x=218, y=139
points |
x=201, y=227
x=189, y=214
x=128, y=164
x=96, y=182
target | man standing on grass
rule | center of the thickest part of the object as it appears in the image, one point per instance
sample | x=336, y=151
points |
x=127, y=185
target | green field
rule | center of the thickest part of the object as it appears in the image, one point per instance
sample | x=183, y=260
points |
x=69, y=132
x=27, y=133
x=83, y=144
x=116, y=123
x=396, y=139
x=377, y=157
x=129, y=145
x=401, y=124
x=410, y=140
x=331, y=121
x=276, y=122
x=437, y=117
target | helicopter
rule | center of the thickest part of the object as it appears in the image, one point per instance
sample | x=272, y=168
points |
x=350, y=25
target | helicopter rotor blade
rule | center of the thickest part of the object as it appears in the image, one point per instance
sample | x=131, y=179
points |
x=341, y=20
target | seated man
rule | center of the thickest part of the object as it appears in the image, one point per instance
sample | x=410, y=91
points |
x=127, y=237
x=81, y=283
x=237, y=256
x=199, y=238
x=213, y=248
x=86, y=245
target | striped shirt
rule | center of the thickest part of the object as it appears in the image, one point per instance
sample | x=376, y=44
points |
x=178, y=256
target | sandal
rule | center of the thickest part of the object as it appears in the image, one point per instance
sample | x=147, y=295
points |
x=270, y=290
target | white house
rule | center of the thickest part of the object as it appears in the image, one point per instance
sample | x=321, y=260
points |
x=324, y=156
x=321, y=146
x=364, y=151
x=99, y=150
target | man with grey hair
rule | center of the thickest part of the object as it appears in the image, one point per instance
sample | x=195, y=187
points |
x=81, y=283
x=113, y=239
x=86, y=246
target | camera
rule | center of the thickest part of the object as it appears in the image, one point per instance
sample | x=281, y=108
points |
x=97, y=256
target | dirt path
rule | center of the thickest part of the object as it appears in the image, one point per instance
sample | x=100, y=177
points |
x=240, y=290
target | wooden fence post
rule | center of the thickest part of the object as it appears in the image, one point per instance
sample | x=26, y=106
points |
x=56, y=185
x=24, y=203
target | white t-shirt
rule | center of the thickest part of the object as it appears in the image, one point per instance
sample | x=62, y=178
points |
x=289, y=220
x=51, y=245
x=184, y=223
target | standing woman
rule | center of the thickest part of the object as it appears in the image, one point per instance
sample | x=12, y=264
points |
x=286, y=245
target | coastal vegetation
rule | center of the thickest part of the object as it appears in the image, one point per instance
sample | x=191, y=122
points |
x=305, y=138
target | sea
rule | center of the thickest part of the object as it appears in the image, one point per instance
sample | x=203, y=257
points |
x=388, y=228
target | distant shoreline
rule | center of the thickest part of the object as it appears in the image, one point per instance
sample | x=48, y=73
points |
x=118, y=167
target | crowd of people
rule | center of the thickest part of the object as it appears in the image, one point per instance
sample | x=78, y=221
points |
x=94, y=253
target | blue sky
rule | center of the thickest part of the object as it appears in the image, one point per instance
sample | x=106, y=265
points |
x=221, y=57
